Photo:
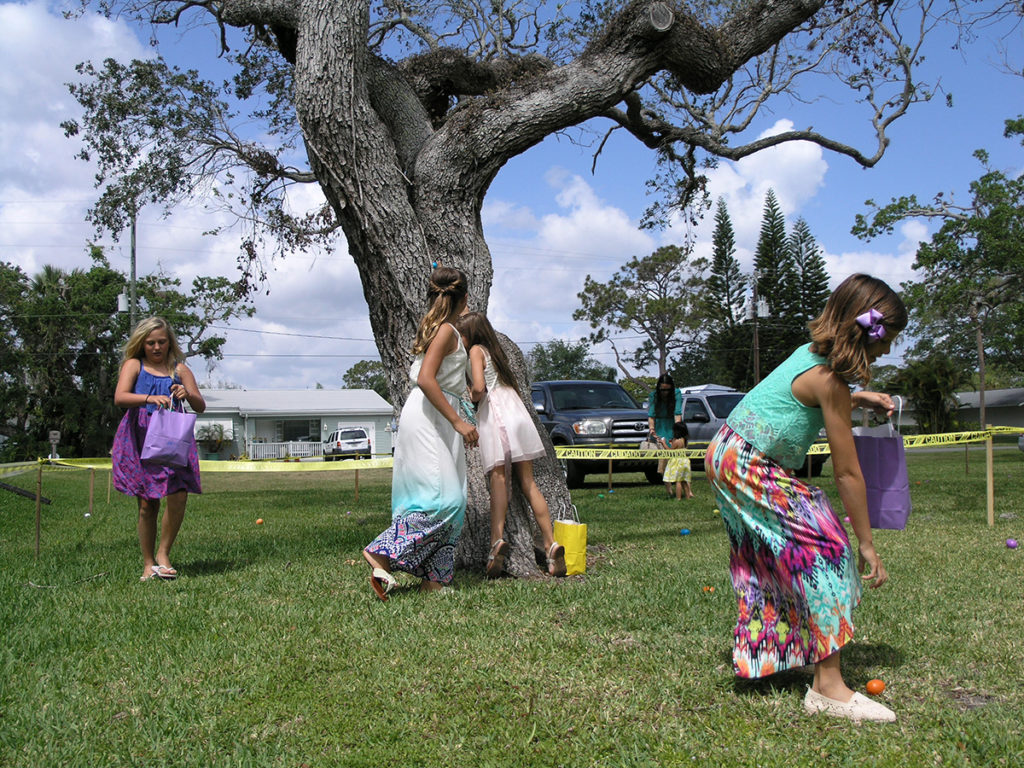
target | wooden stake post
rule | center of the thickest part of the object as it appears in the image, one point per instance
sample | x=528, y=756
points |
x=39, y=505
x=990, y=500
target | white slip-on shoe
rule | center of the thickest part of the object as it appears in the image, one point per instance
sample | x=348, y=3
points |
x=858, y=708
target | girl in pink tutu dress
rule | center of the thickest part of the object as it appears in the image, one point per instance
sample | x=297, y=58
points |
x=508, y=441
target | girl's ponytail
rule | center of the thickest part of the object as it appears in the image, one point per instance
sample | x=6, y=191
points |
x=446, y=290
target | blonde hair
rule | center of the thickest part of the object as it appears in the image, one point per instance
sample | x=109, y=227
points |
x=446, y=291
x=136, y=345
x=478, y=330
x=836, y=334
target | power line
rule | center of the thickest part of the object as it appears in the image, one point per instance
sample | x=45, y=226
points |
x=284, y=333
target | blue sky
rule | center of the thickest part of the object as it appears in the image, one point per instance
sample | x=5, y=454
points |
x=549, y=220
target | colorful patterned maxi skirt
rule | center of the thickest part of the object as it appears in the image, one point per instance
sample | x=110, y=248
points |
x=428, y=493
x=792, y=568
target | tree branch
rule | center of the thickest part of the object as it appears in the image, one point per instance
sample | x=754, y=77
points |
x=635, y=45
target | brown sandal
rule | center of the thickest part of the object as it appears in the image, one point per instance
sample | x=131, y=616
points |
x=382, y=583
x=556, y=560
x=496, y=559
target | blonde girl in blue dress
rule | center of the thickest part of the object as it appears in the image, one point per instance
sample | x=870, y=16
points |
x=428, y=482
x=154, y=375
x=793, y=569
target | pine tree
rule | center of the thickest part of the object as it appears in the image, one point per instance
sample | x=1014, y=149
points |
x=811, y=274
x=726, y=287
x=727, y=355
x=773, y=263
x=778, y=285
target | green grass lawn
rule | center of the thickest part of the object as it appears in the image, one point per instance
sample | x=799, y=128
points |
x=271, y=650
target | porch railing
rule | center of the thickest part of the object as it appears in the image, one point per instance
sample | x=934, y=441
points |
x=290, y=449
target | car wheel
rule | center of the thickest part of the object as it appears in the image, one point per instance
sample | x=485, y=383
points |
x=574, y=474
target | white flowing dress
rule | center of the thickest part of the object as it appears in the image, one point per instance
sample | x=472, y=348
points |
x=428, y=483
x=507, y=433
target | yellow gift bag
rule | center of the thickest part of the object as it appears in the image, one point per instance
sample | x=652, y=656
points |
x=572, y=534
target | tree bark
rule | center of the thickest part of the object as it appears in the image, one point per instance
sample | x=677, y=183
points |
x=399, y=226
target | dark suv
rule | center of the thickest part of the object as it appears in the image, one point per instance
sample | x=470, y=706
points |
x=592, y=413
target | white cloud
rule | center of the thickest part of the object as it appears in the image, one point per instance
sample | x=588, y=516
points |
x=502, y=214
x=589, y=226
x=885, y=266
x=914, y=233
x=795, y=171
x=537, y=278
x=45, y=191
x=38, y=53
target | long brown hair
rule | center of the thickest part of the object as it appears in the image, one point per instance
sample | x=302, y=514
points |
x=478, y=330
x=447, y=288
x=665, y=401
x=837, y=336
x=135, y=346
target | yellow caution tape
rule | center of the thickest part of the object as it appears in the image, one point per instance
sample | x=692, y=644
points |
x=568, y=452
x=909, y=441
x=246, y=466
x=17, y=468
x=574, y=452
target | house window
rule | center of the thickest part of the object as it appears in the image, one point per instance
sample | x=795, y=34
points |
x=301, y=431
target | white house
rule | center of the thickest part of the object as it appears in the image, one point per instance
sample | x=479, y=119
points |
x=1003, y=407
x=274, y=423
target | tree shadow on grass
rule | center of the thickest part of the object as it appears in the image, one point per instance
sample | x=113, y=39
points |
x=861, y=662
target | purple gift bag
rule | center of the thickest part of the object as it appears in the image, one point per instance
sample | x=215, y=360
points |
x=169, y=438
x=884, y=466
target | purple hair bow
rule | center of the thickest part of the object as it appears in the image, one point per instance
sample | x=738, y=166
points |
x=872, y=321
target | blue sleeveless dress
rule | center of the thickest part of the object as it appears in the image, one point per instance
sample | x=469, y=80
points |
x=130, y=475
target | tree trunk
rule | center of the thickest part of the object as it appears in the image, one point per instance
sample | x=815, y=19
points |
x=397, y=228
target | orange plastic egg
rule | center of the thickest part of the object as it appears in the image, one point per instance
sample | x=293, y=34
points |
x=259, y=521
x=875, y=687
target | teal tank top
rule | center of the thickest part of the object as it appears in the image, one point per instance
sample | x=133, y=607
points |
x=772, y=420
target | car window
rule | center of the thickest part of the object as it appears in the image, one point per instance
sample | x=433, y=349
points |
x=693, y=408
x=538, y=397
x=352, y=434
x=722, y=405
x=565, y=399
x=585, y=396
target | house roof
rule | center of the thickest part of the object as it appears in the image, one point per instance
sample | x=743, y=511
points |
x=994, y=398
x=314, y=402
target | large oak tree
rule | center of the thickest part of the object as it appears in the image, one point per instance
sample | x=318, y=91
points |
x=403, y=113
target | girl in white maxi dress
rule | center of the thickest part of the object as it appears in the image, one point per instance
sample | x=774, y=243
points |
x=428, y=486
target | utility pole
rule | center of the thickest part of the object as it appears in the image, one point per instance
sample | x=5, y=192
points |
x=133, y=298
x=758, y=308
x=757, y=350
